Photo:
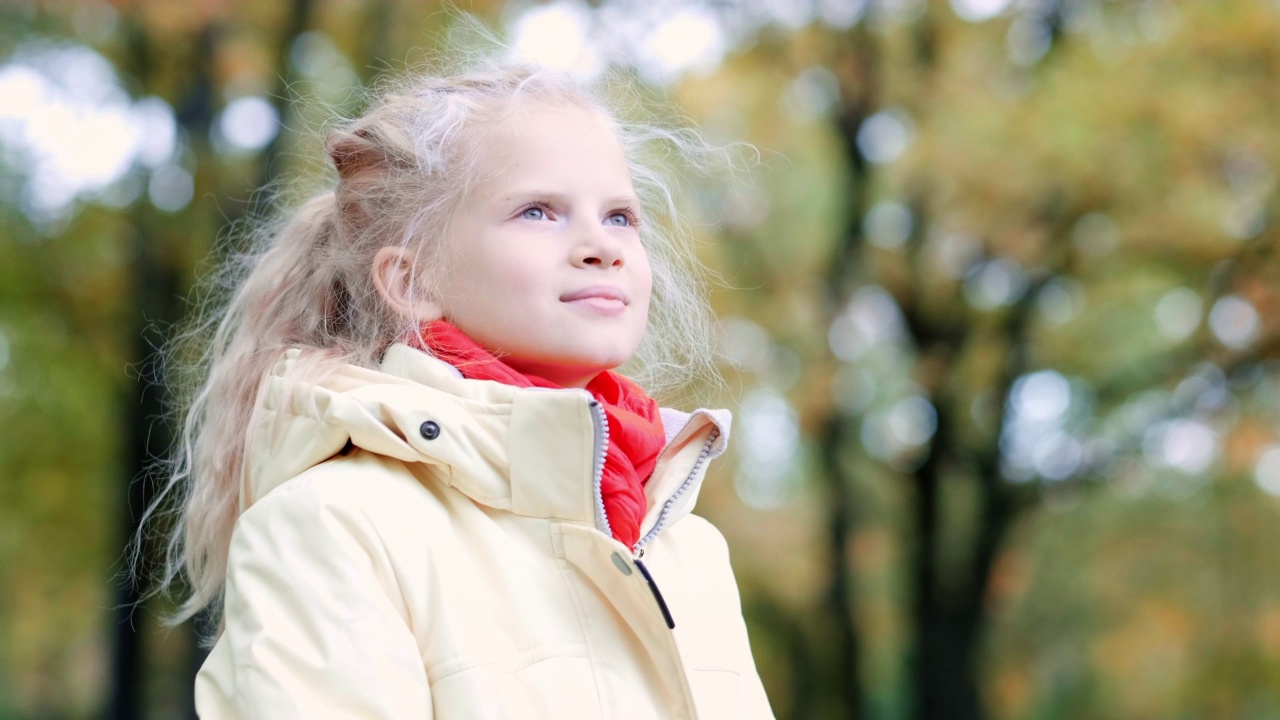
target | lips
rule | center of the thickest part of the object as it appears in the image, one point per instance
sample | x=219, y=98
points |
x=601, y=292
x=597, y=301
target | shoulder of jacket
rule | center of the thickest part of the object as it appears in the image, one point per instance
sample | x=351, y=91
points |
x=381, y=492
x=698, y=538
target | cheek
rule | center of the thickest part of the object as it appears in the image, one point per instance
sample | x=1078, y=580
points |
x=644, y=278
x=489, y=275
x=642, y=290
x=483, y=277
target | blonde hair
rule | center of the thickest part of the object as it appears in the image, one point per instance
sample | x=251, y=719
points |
x=403, y=169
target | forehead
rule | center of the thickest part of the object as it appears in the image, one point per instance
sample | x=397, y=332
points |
x=566, y=147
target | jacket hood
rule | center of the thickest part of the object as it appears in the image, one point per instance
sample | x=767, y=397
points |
x=530, y=451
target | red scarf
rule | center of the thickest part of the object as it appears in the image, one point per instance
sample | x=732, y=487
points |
x=636, y=435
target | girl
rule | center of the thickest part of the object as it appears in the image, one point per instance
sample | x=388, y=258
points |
x=416, y=486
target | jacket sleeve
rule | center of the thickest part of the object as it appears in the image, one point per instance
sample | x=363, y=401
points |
x=718, y=593
x=314, y=623
x=754, y=700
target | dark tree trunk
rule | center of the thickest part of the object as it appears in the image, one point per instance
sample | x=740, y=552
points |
x=949, y=624
x=839, y=602
x=157, y=284
x=153, y=297
x=945, y=682
x=948, y=618
x=155, y=292
x=860, y=83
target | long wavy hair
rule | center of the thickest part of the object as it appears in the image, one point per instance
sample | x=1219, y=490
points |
x=402, y=169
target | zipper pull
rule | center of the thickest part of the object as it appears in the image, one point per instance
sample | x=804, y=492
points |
x=657, y=594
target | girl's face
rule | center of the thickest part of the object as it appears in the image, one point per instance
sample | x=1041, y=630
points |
x=546, y=266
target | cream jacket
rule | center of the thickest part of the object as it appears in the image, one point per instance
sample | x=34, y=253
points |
x=416, y=545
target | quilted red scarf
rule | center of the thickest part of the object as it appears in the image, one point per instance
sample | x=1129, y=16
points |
x=635, y=427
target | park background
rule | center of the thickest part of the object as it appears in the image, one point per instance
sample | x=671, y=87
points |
x=1000, y=324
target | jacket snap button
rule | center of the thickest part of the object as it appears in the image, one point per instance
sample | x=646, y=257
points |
x=430, y=430
x=623, y=565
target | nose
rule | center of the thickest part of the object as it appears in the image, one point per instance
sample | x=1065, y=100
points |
x=595, y=247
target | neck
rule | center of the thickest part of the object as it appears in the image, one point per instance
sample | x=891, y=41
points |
x=574, y=377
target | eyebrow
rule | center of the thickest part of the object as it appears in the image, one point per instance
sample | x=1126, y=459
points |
x=522, y=195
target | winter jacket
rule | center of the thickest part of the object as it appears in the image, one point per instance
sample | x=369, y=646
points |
x=417, y=545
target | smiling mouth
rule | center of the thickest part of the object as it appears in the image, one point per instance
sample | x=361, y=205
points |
x=603, y=293
x=605, y=301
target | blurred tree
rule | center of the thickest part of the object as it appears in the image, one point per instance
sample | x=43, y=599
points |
x=197, y=69
x=1034, y=236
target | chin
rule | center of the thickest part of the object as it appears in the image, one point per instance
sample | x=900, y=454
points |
x=598, y=364
x=600, y=360
x=591, y=349
x=610, y=358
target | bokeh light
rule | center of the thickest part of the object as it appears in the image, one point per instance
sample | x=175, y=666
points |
x=328, y=71
x=954, y=253
x=1041, y=397
x=813, y=93
x=248, y=123
x=888, y=224
x=994, y=283
x=870, y=320
x=1267, y=471
x=68, y=126
x=884, y=136
x=1178, y=313
x=171, y=188
x=1028, y=39
x=979, y=10
x=768, y=443
x=1060, y=300
x=1187, y=445
x=744, y=343
x=689, y=39
x=1234, y=322
x=555, y=34
x=841, y=14
x=912, y=421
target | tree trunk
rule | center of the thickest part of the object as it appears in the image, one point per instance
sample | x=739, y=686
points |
x=860, y=83
x=839, y=603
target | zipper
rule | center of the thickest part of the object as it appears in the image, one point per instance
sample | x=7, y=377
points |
x=662, y=521
x=671, y=501
x=601, y=448
x=657, y=594
x=601, y=451
x=602, y=518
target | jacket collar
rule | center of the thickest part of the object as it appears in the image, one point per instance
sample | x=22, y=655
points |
x=530, y=451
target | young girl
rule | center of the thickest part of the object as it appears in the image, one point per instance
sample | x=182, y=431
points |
x=416, y=486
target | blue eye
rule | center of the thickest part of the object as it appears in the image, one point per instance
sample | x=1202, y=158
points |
x=628, y=216
x=535, y=209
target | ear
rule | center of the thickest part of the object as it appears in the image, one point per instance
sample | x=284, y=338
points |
x=393, y=278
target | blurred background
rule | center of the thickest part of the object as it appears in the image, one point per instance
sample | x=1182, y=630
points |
x=1000, y=317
